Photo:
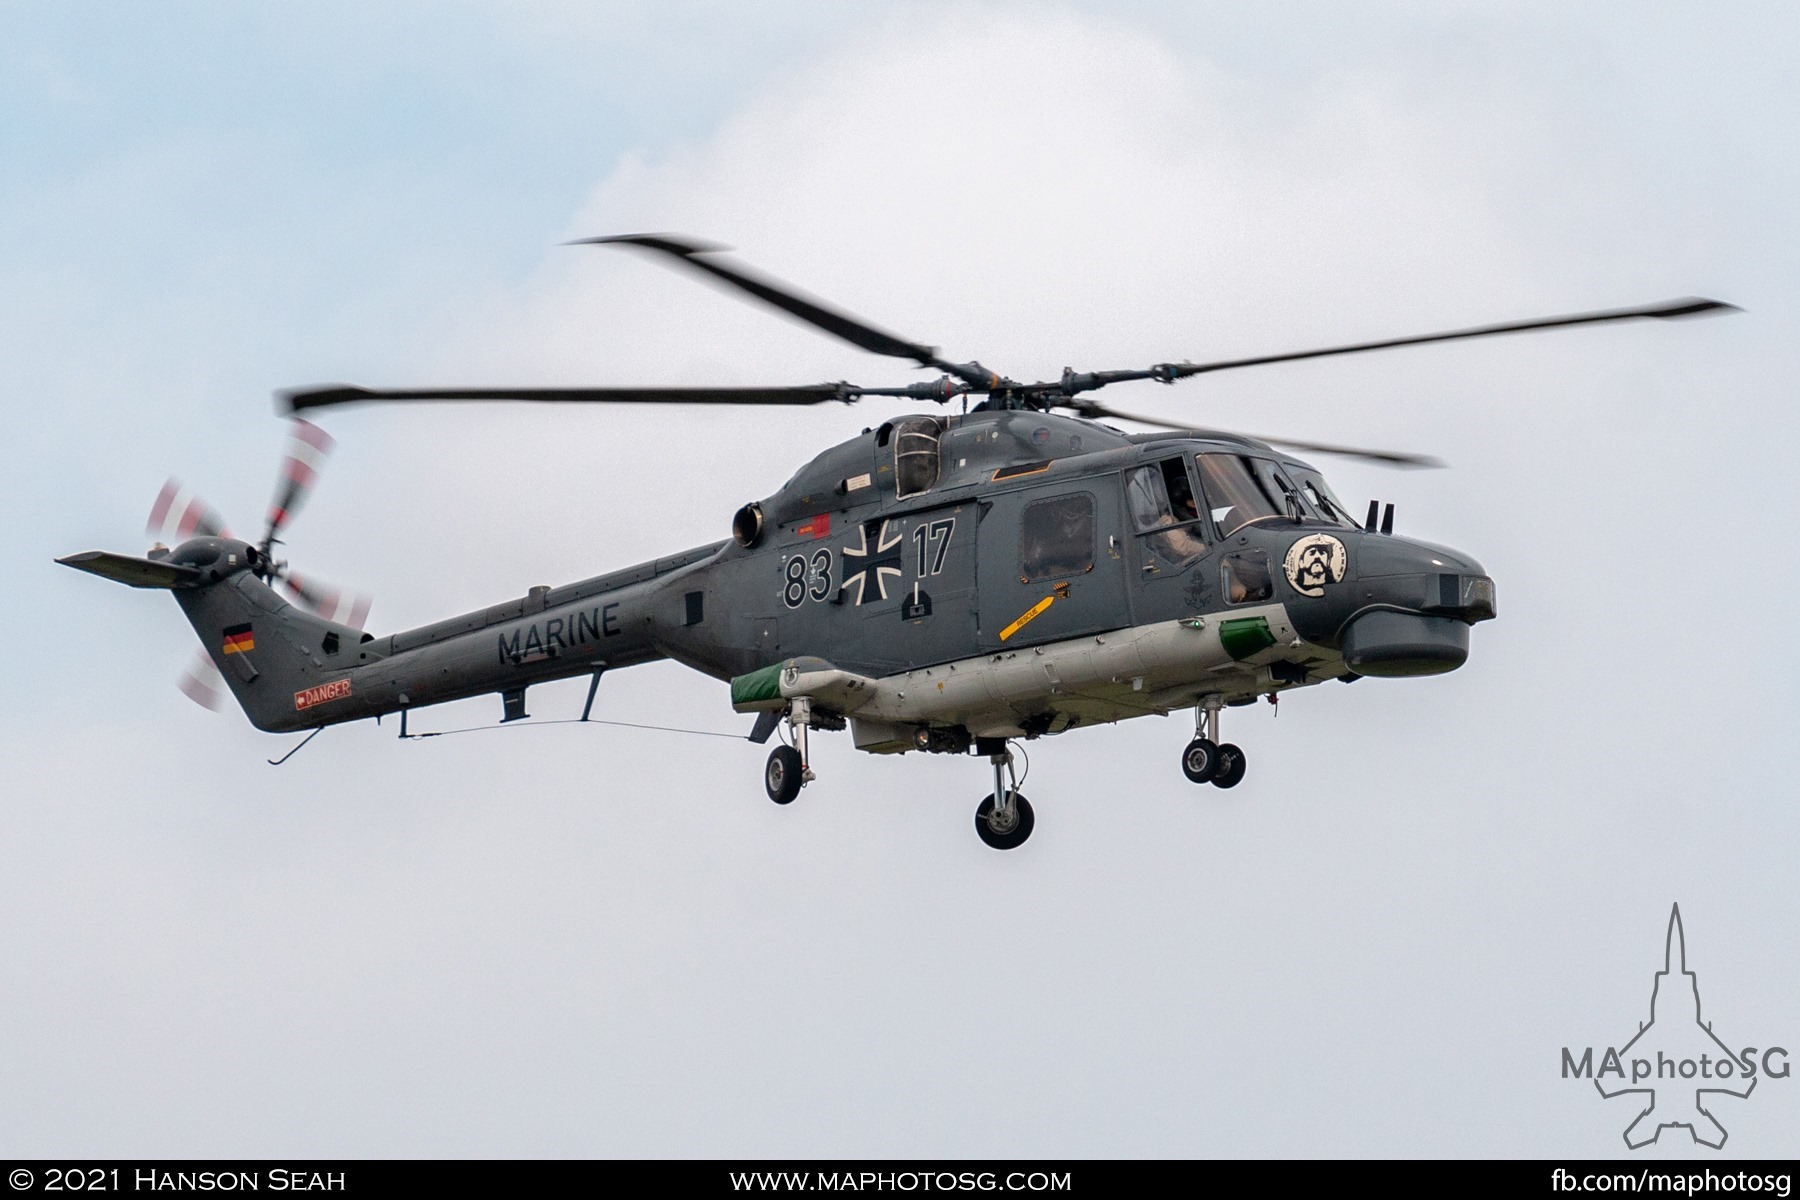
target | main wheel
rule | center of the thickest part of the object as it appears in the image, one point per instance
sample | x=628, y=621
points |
x=1014, y=832
x=1200, y=761
x=782, y=775
x=1231, y=767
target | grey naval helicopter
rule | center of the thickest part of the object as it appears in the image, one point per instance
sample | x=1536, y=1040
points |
x=942, y=583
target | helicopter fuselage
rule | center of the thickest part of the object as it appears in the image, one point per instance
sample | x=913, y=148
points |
x=933, y=582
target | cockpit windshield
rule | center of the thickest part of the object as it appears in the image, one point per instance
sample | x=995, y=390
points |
x=1324, y=501
x=1236, y=495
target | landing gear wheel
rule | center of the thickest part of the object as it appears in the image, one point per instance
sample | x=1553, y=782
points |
x=1015, y=832
x=1200, y=761
x=782, y=776
x=1231, y=767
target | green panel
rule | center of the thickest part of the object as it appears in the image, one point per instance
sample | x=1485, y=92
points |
x=758, y=687
x=1241, y=637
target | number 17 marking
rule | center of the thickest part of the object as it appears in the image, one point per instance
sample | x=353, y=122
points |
x=934, y=544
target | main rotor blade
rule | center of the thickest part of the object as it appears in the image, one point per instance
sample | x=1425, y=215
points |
x=789, y=299
x=323, y=395
x=1691, y=306
x=1386, y=458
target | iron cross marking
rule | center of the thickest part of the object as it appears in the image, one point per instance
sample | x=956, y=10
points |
x=868, y=568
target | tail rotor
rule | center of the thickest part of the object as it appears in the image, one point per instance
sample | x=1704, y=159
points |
x=178, y=514
x=307, y=448
x=202, y=683
x=334, y=604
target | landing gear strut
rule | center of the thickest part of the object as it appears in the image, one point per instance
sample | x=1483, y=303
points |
x=1205, y=760
x=1004, y=819
x=788, y=769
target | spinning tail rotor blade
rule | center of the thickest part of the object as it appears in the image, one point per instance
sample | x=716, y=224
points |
x=179, y=514
x=334, y=604
x=202, y=683
x=306, y=450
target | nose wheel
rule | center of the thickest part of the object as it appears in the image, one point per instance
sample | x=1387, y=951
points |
x=1231, y=767
x=1206, y=760
x=1005, y=828
x=1200, y=761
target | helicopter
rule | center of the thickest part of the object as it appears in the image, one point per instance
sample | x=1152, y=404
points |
x=945, y=583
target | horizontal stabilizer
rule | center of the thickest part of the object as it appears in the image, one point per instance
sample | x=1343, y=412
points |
x=136, y=572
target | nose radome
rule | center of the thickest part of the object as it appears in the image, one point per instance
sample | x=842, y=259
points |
x=1398, y=644
x=1378, y=555
x=1423, y=600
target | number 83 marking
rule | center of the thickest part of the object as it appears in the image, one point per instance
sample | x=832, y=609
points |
x=807, y=578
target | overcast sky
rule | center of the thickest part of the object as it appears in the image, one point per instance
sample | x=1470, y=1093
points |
x=604, y=942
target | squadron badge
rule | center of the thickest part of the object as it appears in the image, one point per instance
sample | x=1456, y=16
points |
x=1312, y=562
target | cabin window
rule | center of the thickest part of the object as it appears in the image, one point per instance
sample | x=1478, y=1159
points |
x=1056, y=538
x=1247, y=577
x=1163, y=508
x=1235, y=496
x=915, y=456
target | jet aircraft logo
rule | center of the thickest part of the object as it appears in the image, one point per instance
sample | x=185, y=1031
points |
x=1675, y=1065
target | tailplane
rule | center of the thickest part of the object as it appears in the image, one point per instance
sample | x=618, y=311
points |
x=135, y=572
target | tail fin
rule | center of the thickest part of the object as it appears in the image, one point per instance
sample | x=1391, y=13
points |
x=277, y=659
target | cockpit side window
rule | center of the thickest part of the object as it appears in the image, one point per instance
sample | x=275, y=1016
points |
x=1247, y=577
x=1181, y=491
x=1163, y=508
x=915, y=456
x=1236, y=496
x=1149, y=497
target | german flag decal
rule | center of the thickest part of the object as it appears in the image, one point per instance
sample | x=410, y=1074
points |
x=239, y=639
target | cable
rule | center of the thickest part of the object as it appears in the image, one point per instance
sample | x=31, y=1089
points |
x=1018, y=748
x=414, y=737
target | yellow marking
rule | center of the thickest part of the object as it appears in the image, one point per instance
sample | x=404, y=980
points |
x=1027, y=617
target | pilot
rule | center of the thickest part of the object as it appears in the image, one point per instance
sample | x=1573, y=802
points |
x=1150, y=507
